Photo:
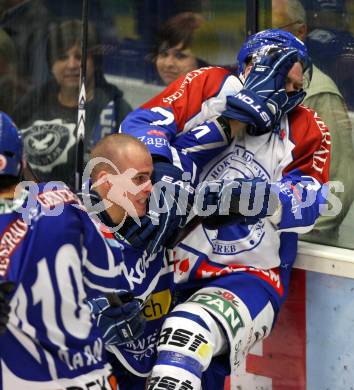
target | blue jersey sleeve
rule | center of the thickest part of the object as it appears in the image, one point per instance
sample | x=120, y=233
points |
x=301, y=198
x=156, y=128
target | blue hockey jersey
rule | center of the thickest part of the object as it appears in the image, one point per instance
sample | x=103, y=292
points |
x=150, y=279
x=57, y=262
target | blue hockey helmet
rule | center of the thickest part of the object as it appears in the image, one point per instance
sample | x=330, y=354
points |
x=10, y=147
x=273, y=38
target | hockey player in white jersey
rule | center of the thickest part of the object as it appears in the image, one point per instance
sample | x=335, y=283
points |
x=235, y=276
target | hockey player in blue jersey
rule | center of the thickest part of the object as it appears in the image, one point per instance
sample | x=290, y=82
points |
x=235, y=276
x=57, y=259
x=119, y=173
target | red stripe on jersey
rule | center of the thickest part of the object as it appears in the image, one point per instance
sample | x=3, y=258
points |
x=105, y=232
x=210, y=270
x=186, y=95
x=312, y=141
x=10, y=239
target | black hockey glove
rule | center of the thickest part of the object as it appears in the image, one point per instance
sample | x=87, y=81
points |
x=236, y=201
x=169, y=206
x=118, y=317
x=5, y=289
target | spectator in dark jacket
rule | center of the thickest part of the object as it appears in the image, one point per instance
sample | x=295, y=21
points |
x=47, y=116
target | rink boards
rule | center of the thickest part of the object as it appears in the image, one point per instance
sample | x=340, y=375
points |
x=312, y=344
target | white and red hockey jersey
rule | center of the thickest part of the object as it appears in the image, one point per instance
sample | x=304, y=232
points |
x=177, y=124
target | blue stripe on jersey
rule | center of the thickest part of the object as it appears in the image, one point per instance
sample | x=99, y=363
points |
x=176, y=359
x=190, y=316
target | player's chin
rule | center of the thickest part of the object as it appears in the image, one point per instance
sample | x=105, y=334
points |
x=140, y=209
x=169, y=77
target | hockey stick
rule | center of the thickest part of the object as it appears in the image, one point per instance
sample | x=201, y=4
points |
x=80, y=135
x=217, y=221
x=183, y=233
x=81, y=121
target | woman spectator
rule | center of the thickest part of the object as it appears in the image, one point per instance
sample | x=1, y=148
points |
x=47, y=116
x=173, y=54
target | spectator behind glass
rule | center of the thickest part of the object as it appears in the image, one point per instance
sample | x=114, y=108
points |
x=331, y=44
x=323, y=96
x=26, y=22
x=173, y=54
x=11, y=86
x=47, y=116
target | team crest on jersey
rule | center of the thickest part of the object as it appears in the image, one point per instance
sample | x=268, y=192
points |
x=47, y=143
x=235, y=239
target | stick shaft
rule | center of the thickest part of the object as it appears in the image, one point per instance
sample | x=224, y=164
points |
x=81, y=119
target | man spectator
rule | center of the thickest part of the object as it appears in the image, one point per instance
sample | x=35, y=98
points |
x=323, y=96
x=26, y=22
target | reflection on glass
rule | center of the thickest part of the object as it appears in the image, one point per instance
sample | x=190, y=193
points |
x=26, y=22
x=217, y=30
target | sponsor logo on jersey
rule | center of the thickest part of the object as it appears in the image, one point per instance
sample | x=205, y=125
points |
x=138, y=274
x=158, y=142
x=226, y=308
x=320, y=156
x=187, y=80
x=207, y=269
x=9, y=241
x=228, y=296
x=144, y=347
x=55, y=197
x=101, y=383
x=168, y=382
x=181, y=266
x=90, y=355
x=157, y=132
x=185, y=339
x=157, y=305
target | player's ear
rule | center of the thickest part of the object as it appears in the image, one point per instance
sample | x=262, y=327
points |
x=102, y=180
x=247, y=70
x=302, y=31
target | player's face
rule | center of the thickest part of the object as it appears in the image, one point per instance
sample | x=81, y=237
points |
x=174, y=62
x=66, y=69
x=141, y=161
x=294, y=80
